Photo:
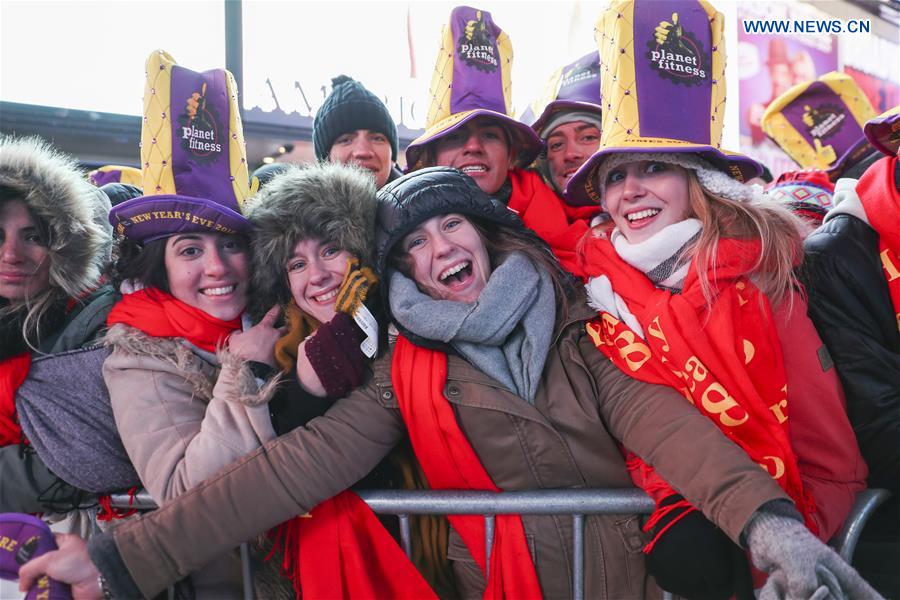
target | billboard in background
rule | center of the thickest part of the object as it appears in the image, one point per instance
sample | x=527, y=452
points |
x=769, y=65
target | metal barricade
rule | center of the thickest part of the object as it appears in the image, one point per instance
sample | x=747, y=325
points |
x=577, y=503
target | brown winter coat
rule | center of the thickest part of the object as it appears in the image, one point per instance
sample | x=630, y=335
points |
x=182, y=418
x=566, y=440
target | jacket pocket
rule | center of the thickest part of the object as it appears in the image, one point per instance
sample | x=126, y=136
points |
x=632, y=536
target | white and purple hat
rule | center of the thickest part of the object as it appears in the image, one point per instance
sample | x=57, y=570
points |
x=193, y=159
x=884, y=131
x=472, y=78
x=573, y=88
x=662, y=88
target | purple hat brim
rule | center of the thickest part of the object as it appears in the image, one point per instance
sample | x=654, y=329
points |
x=874, y=132
x=560, y=105
x=578, y=194
x=530, y=144
x=149, y=218
x=853, y=154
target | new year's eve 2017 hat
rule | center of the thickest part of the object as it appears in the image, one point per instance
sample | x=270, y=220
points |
x=116, y=174
x=575, y=87
x=472, y=79
x=194, y=164
x=662, y=84
x=884, y=131
x=819, y=124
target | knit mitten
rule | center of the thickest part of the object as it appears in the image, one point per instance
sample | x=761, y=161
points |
x=334, y=353
x=799, y=565
x=23, y=537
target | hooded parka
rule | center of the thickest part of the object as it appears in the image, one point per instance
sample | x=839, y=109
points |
x=57, y=193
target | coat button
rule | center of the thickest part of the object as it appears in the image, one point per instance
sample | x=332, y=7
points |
x=387, y=395
x=453, y=390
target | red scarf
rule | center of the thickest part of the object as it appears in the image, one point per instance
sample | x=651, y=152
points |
x=726, y=360
x=544, y=212
x=13, y=372
x=419, y=376
x=878, y=192
x=341, y=550
x=160, y=314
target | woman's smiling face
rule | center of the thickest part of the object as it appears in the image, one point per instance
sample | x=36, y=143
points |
x=643, y=197
x=315, y=273
x=448, y=257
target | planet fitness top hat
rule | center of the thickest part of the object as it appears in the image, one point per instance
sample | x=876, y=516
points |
x=884, y=131
x=819, y=124
x=194, y=163
x=472, y=79
x=575, y=87
x=662, y=87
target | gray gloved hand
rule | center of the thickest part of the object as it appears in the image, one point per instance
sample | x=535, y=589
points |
x=799, y=565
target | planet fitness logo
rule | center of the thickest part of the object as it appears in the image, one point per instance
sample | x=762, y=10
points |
x=477, y=46
x=578, y=74
x=823, y=121
x=200, y=128
x=677, y=55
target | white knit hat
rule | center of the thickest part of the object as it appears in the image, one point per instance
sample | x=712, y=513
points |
x=713, y=180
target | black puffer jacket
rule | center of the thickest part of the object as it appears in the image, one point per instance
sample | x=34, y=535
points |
x=851, y=307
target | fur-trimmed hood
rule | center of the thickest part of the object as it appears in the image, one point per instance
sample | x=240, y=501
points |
x=77, y=213
x=326, y=201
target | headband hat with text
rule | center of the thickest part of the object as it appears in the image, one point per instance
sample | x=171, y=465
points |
x=819, y=124
x=193, y=159
x=472, y=78
x=662, y=88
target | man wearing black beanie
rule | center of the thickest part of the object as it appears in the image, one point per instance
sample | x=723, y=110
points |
x=354, y=126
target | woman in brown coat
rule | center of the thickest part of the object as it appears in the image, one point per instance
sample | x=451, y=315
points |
x=499, y=386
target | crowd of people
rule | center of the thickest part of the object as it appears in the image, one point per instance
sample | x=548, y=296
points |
x=600, y=297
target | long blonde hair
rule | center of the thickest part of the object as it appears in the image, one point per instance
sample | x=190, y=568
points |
x=777, y=229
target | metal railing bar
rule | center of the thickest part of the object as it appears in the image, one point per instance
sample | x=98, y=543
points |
x=530, y=502
x=578, y=556
x=246, y=571
x=405, y=535
x=488, y=543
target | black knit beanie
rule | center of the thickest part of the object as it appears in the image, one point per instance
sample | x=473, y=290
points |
x=350, y=107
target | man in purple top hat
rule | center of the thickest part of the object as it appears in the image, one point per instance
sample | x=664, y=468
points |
x=469, y=127
x=570, y=122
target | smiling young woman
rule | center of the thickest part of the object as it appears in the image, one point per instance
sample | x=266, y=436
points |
x=54, y=245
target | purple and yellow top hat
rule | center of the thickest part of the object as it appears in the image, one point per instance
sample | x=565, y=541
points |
x=116, y=174
x=575, y=87
x=472, y=79
x=195, y=176
x=819, y=124
x=662, y=87
x=883, y=131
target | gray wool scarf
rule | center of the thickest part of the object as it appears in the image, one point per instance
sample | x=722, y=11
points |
x=506, y=333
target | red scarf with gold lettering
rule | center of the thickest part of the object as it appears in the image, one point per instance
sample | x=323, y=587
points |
x=160, y=314
x=545, y=213
x=878, y=193
x=419, y=376
x=725, y=359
